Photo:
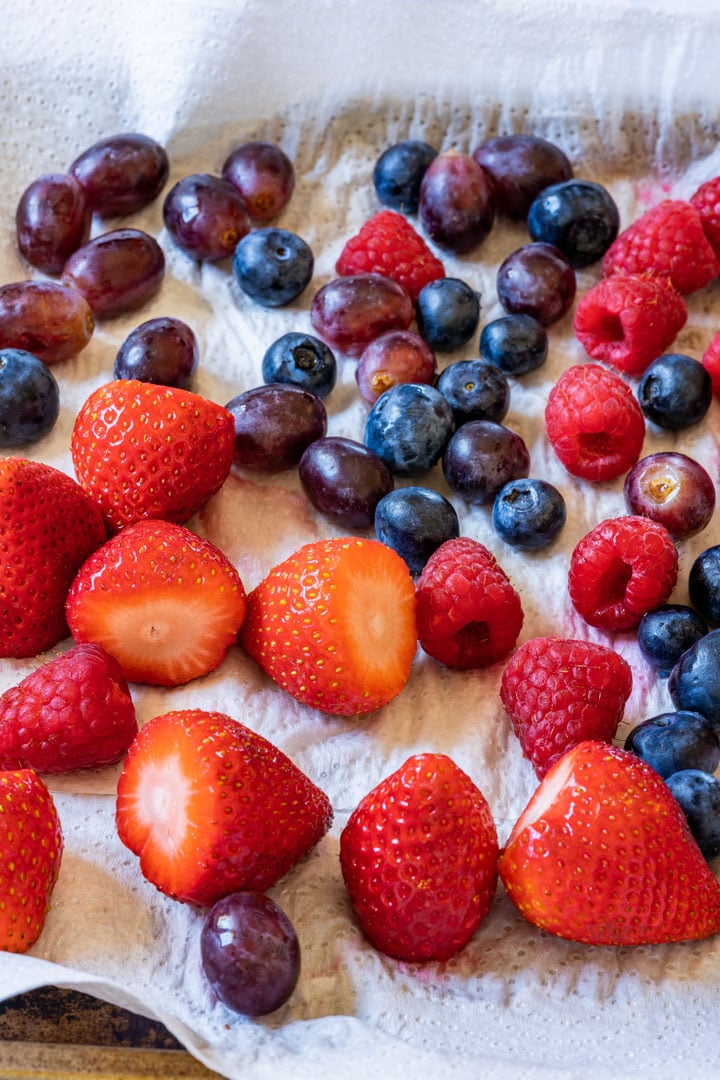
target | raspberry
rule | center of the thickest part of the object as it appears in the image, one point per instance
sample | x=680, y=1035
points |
x=629, y=321
x=706, y=201
x=667, y=241
x=387, y=244
x=710, y=360
x=468, y=613
x=622, y=568
x=559, y=692
x=594, y=423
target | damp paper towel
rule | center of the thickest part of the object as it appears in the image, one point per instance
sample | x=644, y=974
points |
x=629, y=95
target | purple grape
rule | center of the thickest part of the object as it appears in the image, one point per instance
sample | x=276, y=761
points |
x=537, y=280
x=672, y=489
x=349, y=312
x=117, y=272
x=263, y=176
x=399, y=356
x=205, y=217
x=250, y=953
x=519, y=167
x=44, y=318
x=455, y=205
x=275, y=424
x=481, y=457
x=344, y=480
x=121, y=174
x=52, y=220
x=162, y=351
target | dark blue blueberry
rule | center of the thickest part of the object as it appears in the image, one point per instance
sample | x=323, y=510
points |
x=272, y=266
x=414, y=522
x=447, y=313
x=515, y=343
x=699, y=796
x=409, y=426
x=481, y=458
x=528, y=514
x=579, y=217
x=675, y=391
x=29, y=398
x=666, y=632
x=694, y=682
x=302, y=360
x=398, y=174
x=475, y=390
x=704, y=584
x=676, y=740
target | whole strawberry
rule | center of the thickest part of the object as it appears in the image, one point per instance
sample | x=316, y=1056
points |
x=559, y=692
x=31, y=846
x=388, y=244
x=146, y=451
x=334, y=625
x=48, y=527
x=419, y=860
x=211, y=808
x=73, y=712
x=602, y=854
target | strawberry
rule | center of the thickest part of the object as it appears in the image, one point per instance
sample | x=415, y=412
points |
x=210, y=807
x=334, y=625
x=602, y=854
x=48, y=527
x=166, y=603
x=146, y=451
x=31, y=846
x=73, y=712
x=419, y=860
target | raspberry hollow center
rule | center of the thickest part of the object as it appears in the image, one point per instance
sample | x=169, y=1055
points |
x=614, y=581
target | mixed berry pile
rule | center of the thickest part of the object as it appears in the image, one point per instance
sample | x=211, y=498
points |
x=613, y=848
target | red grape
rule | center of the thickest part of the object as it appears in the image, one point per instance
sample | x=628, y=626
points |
x=349, y=312
x=344, y=480
x=537, y=280
x=121, y=174
x=52, y=220
x=455, y=205
x=264, y=177
x=44, y=318
x=162, y=351
x=519, y=167
x=274, y=424
x=395, y=357
x=116, y=272
x=205, y=217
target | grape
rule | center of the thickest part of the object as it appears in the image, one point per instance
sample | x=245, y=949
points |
x=349, y=312
x=672, y=489
x=481, y=457
x=250, y=953
x=344, y=480
x=455, y=205
x=116, y=272
x=537, y=280
x=29, y=398
x=205, y=217
x=162, y=351
x=275, y=424
x=263, y=176
x=46, y=319
x=519, y=167
x=399, y=356
x=121, y=174
x=52, y=220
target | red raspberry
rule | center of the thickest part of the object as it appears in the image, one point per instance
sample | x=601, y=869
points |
x=711, y=362
x=74, y=712
x=594, y=423
x=387, y=244
x=667, y=241
x=629, y=321
x=559, y=692
x=621, y=569
x=468, y=613
x=706, y=201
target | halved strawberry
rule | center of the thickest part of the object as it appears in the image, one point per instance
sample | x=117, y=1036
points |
x=334, y=625
x=211, y=807
x=166, y=603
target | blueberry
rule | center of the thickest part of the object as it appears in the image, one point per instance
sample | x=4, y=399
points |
x=409, y=426
x=272, y=266
x=528, y=514
x=704, y=584
x=578, y=216
x=666, y=632
x=302, y=360
x=481, y=458
x=414, y=522
x=676, y=740
x=675, y=391
x=475, y=390
x=29, y=398
x=447, y=313
x=398, y=174
x=694, y=682
x=699, y=796
x=516, y=343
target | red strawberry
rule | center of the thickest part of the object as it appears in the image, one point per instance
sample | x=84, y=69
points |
x=211, y=807
x=147, y=451
x=419, y=860
x=387, y=244
x=334, y=625
x=74, y=712
x=48, y=527
x=560, y=692
x=602, y=854
x=31, y=847
x=166, y=603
